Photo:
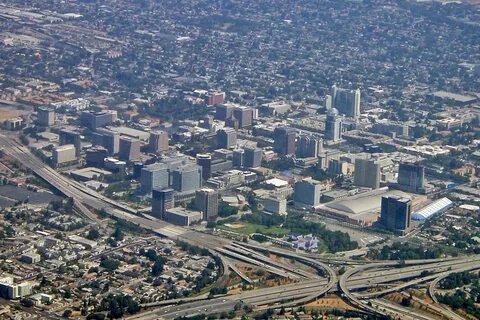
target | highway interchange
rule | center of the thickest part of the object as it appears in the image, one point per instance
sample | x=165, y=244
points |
x=383, y=277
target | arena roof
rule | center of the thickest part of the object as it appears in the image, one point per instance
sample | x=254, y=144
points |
x=364, y=203
x=433, y=208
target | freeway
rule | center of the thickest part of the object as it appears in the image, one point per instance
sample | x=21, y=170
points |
x=256, y=258
x=404, y=313
x=84, y=197
x=298, y=293
x=436, y=266
x=413, y=270
x=468, y=266
x=22, y=154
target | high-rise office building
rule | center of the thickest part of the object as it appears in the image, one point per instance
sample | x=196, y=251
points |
x=309, y=146
x=204, y=160
x=333, y=126
x=162, y=200
x=244, y=115
x=186, y=178
x=215, y=98
x=411, y=177
x=273, y=204
x=232, y=122
x=95, y=156
x=95, y=120
x=223, y=111
x=391, y=128
x=337, y=166
x=253, y=157
x=158, y=142
x=108, y=139
x=226, y=138
x=367, y=173
x=207, y=122
x=238, y=158
x=347, y=102
x=395, y=213
x=153, y=176
x=63, y=154
x=206, y=200
x=129, y=149
x=308, y=192
x=137, y=169
x=45, y=117
x=71, y=137
x=284, y=140
x=328, y=102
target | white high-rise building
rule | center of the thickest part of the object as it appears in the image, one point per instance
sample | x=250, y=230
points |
x=347, y=102
x=333, y=126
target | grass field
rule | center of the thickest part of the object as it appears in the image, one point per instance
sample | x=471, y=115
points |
x=249, y=228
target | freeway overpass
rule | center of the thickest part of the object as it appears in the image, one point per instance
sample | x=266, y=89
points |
x=304, y=291
x=85, y=198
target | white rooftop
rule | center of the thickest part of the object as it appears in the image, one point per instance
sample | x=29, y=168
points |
x=277, y=182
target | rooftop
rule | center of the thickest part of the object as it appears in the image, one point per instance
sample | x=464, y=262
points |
x=364, y=203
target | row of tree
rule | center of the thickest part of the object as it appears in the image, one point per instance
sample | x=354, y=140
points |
x=405, y=251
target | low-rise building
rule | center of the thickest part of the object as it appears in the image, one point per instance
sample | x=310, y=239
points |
x=182, y=217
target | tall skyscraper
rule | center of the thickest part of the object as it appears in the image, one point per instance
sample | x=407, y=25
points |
x=411, y=177
x=395, y=213
x=328, y=102
x=153, y=176
x=204, y=160
x=108, y=139
x=226, y=138
x=253, y=157
x=158, y=141
x=215, y=98
x=367, y=173
x=244, y=115
x=95, y=120
x=162, y=200
x=346, y=102
x=45, y=117
x=129, y=149
x=207, y=122
x=223, y=111
x=63, y=154
x=309, y=146
x=333, y=126
x=71, y=137
x=95, y=156
x=308, y=192
x=238, y=158
x=187, y=178
x=284, y=140
x=206, y=200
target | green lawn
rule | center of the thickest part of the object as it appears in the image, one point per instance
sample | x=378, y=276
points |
x=249, y=228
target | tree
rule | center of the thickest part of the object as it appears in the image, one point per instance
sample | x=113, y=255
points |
x=118, y=305
x=67, y=313
x=225, y=210
x=406, y=302
x=110, y=264
x=157, y=268
x=26, y=302
x=96, y=316
x=117, y=234
x=24, y=140
x=93, y=234
x=211, y=224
